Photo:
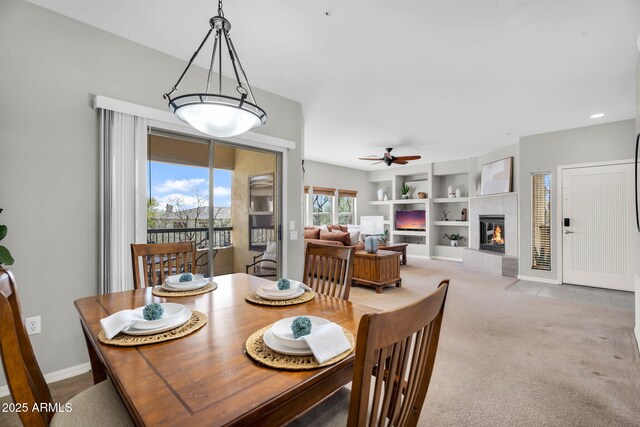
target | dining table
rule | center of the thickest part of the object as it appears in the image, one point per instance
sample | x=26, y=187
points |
x=206, y=377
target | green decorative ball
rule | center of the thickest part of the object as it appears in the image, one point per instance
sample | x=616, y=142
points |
x=284, y=284
x=301, y=326
x=186, y=277
x=153, y=311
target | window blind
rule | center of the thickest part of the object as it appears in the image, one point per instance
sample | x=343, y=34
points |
x=324, y=191
x=347, y=193
x=306, y=189
x=541, y=221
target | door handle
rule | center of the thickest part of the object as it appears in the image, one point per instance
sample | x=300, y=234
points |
x=568, y=232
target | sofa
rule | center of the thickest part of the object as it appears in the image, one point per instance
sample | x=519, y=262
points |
x=333, y=235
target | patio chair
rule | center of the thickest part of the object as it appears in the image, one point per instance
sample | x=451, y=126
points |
x=395, y=354
x=100, y=405
x=265, y=264
x=160, y=260
x=328, y=269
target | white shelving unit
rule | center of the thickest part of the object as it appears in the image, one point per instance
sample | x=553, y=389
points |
x=433, y=179
x=418, y=241
x=455, y=175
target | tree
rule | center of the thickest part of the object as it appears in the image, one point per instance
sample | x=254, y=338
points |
x=152, y=213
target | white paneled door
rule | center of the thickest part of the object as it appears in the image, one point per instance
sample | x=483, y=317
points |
x=598, y=226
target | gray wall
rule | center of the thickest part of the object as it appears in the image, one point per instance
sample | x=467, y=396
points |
x=545, y=152
x=326, y=175
x=475, y=165
x=51, y=67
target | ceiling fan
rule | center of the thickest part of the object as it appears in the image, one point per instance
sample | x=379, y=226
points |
x=388, y=158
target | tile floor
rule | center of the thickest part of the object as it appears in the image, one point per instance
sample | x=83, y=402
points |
x=580, y=294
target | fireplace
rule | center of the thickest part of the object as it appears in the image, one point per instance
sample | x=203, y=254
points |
x=492, y=233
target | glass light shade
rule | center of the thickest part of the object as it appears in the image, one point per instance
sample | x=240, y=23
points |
x=218, y=115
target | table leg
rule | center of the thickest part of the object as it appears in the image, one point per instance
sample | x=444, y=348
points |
x=399, y=283
x=404, y=256
x=97, y=369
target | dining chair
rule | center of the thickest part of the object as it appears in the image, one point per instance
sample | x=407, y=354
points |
x=328, y=269
x=160, y=260
x=100, y=405
x=395, y=354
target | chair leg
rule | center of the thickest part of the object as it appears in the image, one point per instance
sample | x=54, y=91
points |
x=97, y=369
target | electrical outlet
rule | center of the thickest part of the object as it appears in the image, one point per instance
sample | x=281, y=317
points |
x=33, y=325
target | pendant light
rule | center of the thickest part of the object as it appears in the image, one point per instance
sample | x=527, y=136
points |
x=217, y=114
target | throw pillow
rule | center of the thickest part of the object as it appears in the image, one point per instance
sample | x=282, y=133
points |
x=271, y=253
x=313, y=233
x=337, y=236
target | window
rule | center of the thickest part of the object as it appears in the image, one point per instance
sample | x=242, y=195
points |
x=322, y=206
x=541, y=221
x=346, y=206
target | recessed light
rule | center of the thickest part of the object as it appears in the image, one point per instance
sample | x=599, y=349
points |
x=596, y=116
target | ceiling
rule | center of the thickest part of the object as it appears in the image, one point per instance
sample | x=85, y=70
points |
x=444, y=79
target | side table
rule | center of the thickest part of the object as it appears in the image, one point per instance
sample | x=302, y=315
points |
x=397, y=247
x=377, y=270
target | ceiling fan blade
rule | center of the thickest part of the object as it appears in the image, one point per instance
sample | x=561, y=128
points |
x=377, y=162
x=369, y=158
x=408, y=157
x=399, y=161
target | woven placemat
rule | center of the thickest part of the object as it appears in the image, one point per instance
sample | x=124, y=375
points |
x=254, y=298
x=258, y=351
x=160, y=292
x=197, y=321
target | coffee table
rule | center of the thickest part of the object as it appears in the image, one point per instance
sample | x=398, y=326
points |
x=397, y=247
x=377, y=270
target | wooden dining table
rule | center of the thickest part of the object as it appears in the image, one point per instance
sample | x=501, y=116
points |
x=206, y=378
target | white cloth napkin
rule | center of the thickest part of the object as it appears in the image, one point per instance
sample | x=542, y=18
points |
x=272, y=290
x=114, y=324
x=327, y=341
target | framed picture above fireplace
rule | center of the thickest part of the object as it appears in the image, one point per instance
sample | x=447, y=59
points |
x=497, y=177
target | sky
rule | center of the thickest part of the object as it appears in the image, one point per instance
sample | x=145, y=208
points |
x=168, y=181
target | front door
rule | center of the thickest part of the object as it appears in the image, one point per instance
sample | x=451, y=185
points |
x=598, y=234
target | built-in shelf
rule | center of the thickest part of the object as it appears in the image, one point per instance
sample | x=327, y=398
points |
x=408, y=201
x=386, y=222
x=451, y=200
x=380, y=202
x=409, y=233
x=453, y=248
x=452, y=223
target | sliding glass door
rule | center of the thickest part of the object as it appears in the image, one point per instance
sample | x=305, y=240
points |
x=242, y=221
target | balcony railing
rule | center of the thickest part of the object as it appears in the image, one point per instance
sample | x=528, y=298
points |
x=221, y=236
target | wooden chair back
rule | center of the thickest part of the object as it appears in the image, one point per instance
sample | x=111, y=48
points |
x=159, y=260
x=328, y=269
x=399, y=348
x=24, y=377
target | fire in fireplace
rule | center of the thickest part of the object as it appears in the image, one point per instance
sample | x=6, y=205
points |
x=492, y=233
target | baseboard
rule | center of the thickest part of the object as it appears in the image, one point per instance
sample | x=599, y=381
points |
x=446, y=258
x=56, y=376
x=418, y=256
x=637, y=332
x=539, y=279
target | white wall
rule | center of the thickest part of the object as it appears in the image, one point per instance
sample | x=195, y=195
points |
x=50, y=68
x=544, y=153
x=638, y=235
x=325, y=175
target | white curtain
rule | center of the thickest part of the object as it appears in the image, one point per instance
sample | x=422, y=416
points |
x=123, y=153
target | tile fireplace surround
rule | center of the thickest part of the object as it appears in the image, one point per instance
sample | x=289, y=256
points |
x=493, y=262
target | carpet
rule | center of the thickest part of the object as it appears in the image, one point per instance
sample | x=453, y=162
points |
x=508, y=358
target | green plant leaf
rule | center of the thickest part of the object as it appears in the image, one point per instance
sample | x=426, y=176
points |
x=3, y=231
x=5, y=256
